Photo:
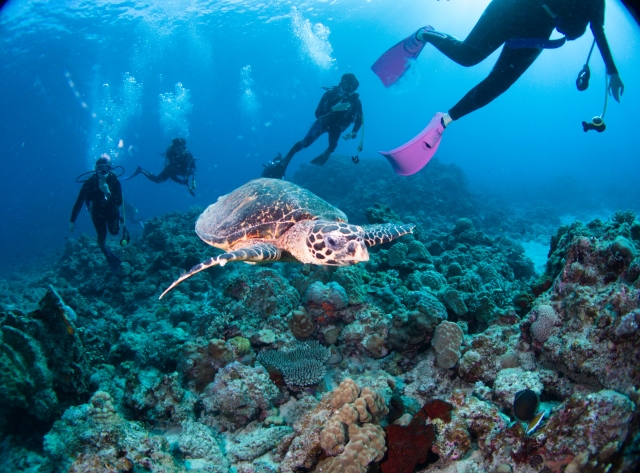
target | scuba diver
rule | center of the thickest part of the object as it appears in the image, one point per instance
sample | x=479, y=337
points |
x=102, y=193
x=339, y=107
x=179, y=166
x=524, y=27
x=132, y=213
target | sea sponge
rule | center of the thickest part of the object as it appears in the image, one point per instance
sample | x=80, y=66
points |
x=446, y=342
x=547, y=318
x=301, y=323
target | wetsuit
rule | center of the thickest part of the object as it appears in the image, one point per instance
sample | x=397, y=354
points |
x=177, y=166
x=180, y=167
x=105, y=211
x=330, y=122
x=503, y=20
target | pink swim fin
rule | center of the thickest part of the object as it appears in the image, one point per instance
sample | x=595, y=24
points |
x=412, y=156
x=396, y=61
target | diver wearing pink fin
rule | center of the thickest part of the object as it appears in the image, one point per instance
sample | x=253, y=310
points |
x=411, y=157
x=524, y=28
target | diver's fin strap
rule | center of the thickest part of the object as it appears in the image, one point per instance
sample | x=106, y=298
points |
x=384, y=233
x=262, y=252
x=520, y=43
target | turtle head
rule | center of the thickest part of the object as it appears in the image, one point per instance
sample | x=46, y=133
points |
x=335, y=244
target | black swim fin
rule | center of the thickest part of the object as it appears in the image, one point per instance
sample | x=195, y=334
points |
x=139, y=170
x=113, y=261
x=321, y=160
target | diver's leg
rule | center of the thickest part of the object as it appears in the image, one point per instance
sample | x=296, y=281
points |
x=312, y=135
x=179, y=180
x=277, y=168
x=501, y=20
x=334, y=136
x=163, y=176
x=113, y=222
x=510, y=66
x=100, y=224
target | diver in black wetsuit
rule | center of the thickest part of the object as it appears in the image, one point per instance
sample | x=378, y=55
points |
x=179, y=166
x=102, y=193
x=339, y=107
x=525, y=26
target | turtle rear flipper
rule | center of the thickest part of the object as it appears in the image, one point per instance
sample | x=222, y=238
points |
x=259, y=253
x=384, y=233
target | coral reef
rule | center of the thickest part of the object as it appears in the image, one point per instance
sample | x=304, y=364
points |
x=408, y=362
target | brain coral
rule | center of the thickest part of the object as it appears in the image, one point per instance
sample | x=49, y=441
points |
x=547, y=318
x=446, y=342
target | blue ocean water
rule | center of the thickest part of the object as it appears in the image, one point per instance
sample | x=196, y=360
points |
x=240, y=80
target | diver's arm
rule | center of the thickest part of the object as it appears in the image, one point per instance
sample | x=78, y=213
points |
x=358, y=121
x=77, y=207
x=616, y=87
x=597, y=27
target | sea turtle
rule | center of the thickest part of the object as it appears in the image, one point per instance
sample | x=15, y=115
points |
x=269, y=220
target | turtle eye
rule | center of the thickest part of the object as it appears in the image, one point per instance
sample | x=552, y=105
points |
x=333, y=242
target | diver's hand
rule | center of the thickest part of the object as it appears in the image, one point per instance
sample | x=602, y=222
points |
x=341, y=107
x=616, y=87
x=350, y=136
x=72, y=227
x=104, y=187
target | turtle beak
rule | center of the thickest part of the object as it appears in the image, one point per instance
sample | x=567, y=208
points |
x=357, y=251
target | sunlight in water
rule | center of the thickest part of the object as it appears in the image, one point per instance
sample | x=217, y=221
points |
x=174, y=108
x=314, y=40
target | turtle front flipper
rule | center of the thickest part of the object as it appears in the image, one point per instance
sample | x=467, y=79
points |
x=384, y=233
x=260, y=253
